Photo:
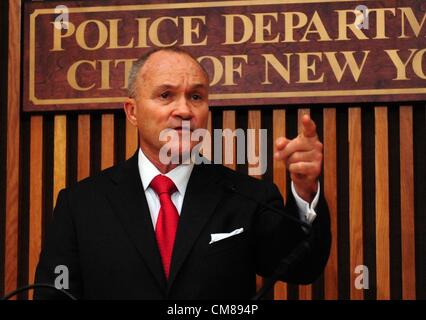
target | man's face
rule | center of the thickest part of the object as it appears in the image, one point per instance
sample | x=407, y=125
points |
x=171, y=88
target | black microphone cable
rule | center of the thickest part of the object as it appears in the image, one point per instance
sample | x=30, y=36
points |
x=284, y=265
x=298, y=253
x=37, y=286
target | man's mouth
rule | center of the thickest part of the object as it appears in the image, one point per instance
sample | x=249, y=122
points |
x=183, y=129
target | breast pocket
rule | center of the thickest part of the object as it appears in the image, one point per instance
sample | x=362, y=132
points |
x=227, y=245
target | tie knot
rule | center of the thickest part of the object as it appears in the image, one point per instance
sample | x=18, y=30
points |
x=162, y=184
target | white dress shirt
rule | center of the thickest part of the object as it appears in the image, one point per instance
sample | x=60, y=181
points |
x=180, y=176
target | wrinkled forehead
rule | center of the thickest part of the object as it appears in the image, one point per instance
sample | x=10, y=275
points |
x=171, y=66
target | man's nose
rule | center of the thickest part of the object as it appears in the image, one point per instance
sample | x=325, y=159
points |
x=183, y=109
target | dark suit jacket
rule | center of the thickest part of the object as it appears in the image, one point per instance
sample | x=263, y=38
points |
x=102, y=231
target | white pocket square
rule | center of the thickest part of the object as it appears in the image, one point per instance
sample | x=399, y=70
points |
x=220, y=236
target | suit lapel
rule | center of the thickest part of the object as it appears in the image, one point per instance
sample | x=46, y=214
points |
x=201, y=198
x=128, y=199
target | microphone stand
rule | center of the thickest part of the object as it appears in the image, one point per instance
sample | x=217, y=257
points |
x=295, y=256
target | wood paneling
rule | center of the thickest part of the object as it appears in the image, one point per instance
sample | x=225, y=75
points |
x=36, y=188
x=59, y=155
x=305, y=291
x=355, y=199
x=330, y=193
x=83, y=147
x=131, y=139
x=279, y=177
x=254, y=144
x=382, y=203
x=228, y=149
x=107, y=143
x=12, y=141
x=407, y=203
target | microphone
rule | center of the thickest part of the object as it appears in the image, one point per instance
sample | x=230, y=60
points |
x=37, y=286
x=298, y=253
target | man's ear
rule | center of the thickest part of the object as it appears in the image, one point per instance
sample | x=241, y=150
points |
x=130, y=109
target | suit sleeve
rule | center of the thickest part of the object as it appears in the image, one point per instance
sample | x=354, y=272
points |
x=60, y=249
x=277, y=237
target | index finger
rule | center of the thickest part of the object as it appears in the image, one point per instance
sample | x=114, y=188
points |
x=309, y=129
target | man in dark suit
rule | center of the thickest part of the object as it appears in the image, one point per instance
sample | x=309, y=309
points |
x=150, y=229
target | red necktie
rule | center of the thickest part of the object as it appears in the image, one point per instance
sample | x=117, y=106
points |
x=167, y=222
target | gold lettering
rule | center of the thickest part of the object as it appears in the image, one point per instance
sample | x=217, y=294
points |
x=418, y=65
x=408, y=14
x=142, y=34
x=344, y=26
x=71, y=74
x=319, y=29
x=113, y=35
x=102, y=34
x=230, y=69
x=57, y=36
x=127, y=66
x=350, y=61
x=189, y=30
x=260, y=27
x=217, y=68
x=153, y=31
x=284, y=72
x=230, y=28
x=105, y=74
x=305, y=67
x=401, y=67
x=381, y=21
x=290, y=25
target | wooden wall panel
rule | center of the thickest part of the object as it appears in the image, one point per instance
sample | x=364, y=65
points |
x=36, y=189
x=355, y=199
x=12, y=145
x=279, y=177
x=131, y=139
x=253, y=147
x=107, y=141
x=330, y=193
x=305, y=291
x=382, y=204
x=83, y=147
x=407, y=203
x=229, y=123
x=206, y=148
x=59, y=155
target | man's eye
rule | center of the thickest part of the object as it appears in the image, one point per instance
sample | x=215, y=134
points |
x=165, y=95
x=196, y=96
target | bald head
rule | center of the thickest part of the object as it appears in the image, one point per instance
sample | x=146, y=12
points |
x=139, y=68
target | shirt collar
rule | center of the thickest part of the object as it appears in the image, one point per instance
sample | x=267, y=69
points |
x=148, y=171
